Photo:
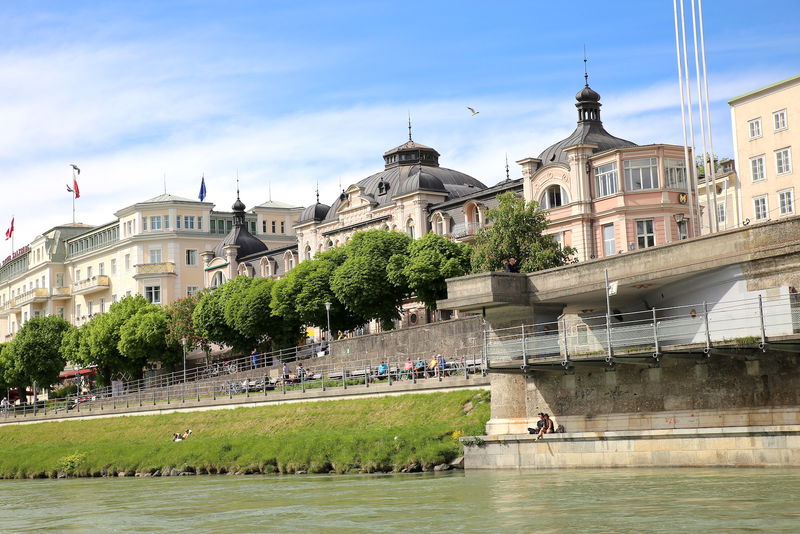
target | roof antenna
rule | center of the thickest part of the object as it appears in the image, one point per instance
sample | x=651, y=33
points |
x=508, y=177
x=409, y=125
x=237, y=184
x=165, y=183
x=585, y=70
x=317, y=191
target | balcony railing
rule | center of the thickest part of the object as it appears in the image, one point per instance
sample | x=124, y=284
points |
x=40, y=293
x=61, y=292
x=462, y=230
x=9, y=307
x=150, y=269
x=90, y=285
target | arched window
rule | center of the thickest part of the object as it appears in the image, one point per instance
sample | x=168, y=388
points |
x=553, y=197
x=217, y=280
x=308, y=252
x=264, y=266
x=243, y=270
x=329, y=245
x=410, y=228
x=288, y=262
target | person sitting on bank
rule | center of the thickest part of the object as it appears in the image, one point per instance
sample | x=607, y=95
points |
x=300, y=371
x=382, y=371
x=513, y=266
x=547, y=428
x=408, y=366
x=539, y=425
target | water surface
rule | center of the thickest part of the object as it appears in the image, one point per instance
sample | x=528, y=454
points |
x=585, y=501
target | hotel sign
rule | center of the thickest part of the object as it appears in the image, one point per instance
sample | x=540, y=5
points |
x=17, y=253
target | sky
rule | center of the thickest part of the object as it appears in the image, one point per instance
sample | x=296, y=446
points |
x=292, y=94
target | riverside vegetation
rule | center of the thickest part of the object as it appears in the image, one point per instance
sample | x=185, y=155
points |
x=403, y=433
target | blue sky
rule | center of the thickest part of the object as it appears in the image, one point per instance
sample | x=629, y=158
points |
x=294, y=93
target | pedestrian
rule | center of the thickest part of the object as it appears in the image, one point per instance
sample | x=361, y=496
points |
x=254, y=358
x=285, y=371
x=512, y=265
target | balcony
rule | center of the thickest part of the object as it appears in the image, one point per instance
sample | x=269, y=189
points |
x=9, y=307
x=61, y=293
x=34, y=295
x=91, y=285
x=154, y=270
x=465, y=230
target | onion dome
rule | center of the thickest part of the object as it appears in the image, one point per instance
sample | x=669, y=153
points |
x=240, y=235
x=315, y=212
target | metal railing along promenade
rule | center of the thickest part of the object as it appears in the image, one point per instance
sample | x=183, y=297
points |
x=747, y=323
x=240, y=379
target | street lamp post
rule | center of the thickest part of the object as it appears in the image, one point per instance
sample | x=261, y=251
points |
x=183, y=342
x=328, y=313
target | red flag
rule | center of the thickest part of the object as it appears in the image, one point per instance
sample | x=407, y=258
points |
x=10, y=231
x=75, y=188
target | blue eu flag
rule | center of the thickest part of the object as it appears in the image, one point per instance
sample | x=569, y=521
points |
x=202, y=195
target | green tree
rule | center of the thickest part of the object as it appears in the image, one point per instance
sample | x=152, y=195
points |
x=209, y=317
x=180, y=325
x=429, y=262
x=10, y=373
x=142, y=339
x=517, y=231
x=37, y=350
x=300, y=297
x=102, y=336
x=250, y=313
x=361, y=282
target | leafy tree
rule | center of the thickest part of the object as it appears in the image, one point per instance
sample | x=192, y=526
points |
x=429, y=262
x=251, y=315
x=37, y=350
x=142, y=339
x=73, y=346
x=10, y=373
x=361, y=282
x=300, y=297
x=102, y=337
x=209, y=317
x=517, y=232
x=180, y=324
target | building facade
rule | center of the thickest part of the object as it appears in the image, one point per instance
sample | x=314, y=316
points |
x=766, y=130
x=607, y=195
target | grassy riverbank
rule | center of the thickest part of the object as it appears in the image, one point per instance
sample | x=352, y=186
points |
x=406, y=432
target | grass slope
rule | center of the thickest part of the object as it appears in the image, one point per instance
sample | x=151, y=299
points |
x=406, y=432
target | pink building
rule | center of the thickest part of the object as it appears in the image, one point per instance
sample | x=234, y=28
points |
x=607, y=195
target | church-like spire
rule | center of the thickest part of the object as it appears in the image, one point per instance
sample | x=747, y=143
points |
x=409, y=125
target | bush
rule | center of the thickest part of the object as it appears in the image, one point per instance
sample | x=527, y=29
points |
x=60, y=393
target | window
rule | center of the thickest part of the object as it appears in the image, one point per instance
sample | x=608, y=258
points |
x=283, y=227
x=90, y=307
x=113, y=298
x=129, y=228
x=229, y=226
x=155, y=223
x=177, y=222
x=786, y=202
x=218, y=279
x=308, y=252
x=127, y=262
x=783, y=161
x=191, y=290
x=779, y=120
x=682, y=229
x=273, y=226
x=757, y=168
x=760, y=208
x=755, y=128
x=605, y=179
x=721, y=213
x=641, y=174
x=102, y=305
x=88, y=272
x=200, y=224
x=155, y=255
x=675, y=173
x=61, y=312
x=77, y=275
x=59, y=279
x=101, y=269
x=188, y=222
x=252, y=227
x=153, y=294
x=410, y=228
x=191, y=257
x=553, y=197
x=113, y=266
x=644, y=233
x=263, y=227
x=144, y=224
x=166, y=222
x=212, y=226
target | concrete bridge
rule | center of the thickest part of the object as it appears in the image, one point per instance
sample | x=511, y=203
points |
x=702, y=334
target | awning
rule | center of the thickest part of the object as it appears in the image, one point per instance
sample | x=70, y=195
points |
x=77, y=372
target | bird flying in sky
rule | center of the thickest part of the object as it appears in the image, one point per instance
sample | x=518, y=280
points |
x=473, y=111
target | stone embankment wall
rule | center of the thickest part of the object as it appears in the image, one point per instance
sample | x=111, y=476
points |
x=450, y=338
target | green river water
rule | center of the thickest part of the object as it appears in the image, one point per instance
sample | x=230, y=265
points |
x=583, y=501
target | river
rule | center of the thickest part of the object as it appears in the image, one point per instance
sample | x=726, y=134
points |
x=585, y=501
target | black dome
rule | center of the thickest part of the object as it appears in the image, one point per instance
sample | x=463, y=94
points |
x=314, y=212
x=239, y=235
x=587, y=94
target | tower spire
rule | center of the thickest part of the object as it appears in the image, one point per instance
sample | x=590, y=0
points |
x=508, y=176
x=237, y=184
x=585, y=66
x=409, y=125
x=317, y=191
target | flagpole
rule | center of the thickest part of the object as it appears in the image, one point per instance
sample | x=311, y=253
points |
x=73, y=195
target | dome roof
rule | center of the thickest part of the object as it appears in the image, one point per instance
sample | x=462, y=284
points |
x=421, y=180
x=589, y=131
x=240, y=236
x=314, y=212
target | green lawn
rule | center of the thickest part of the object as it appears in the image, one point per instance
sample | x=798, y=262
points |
x=361, y=435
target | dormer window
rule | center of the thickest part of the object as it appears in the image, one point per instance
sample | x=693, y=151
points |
x=553, y=197
x=383, y=187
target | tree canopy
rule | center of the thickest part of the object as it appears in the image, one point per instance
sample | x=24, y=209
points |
x=36, y=351
x=430, y=261
x=517, y=231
